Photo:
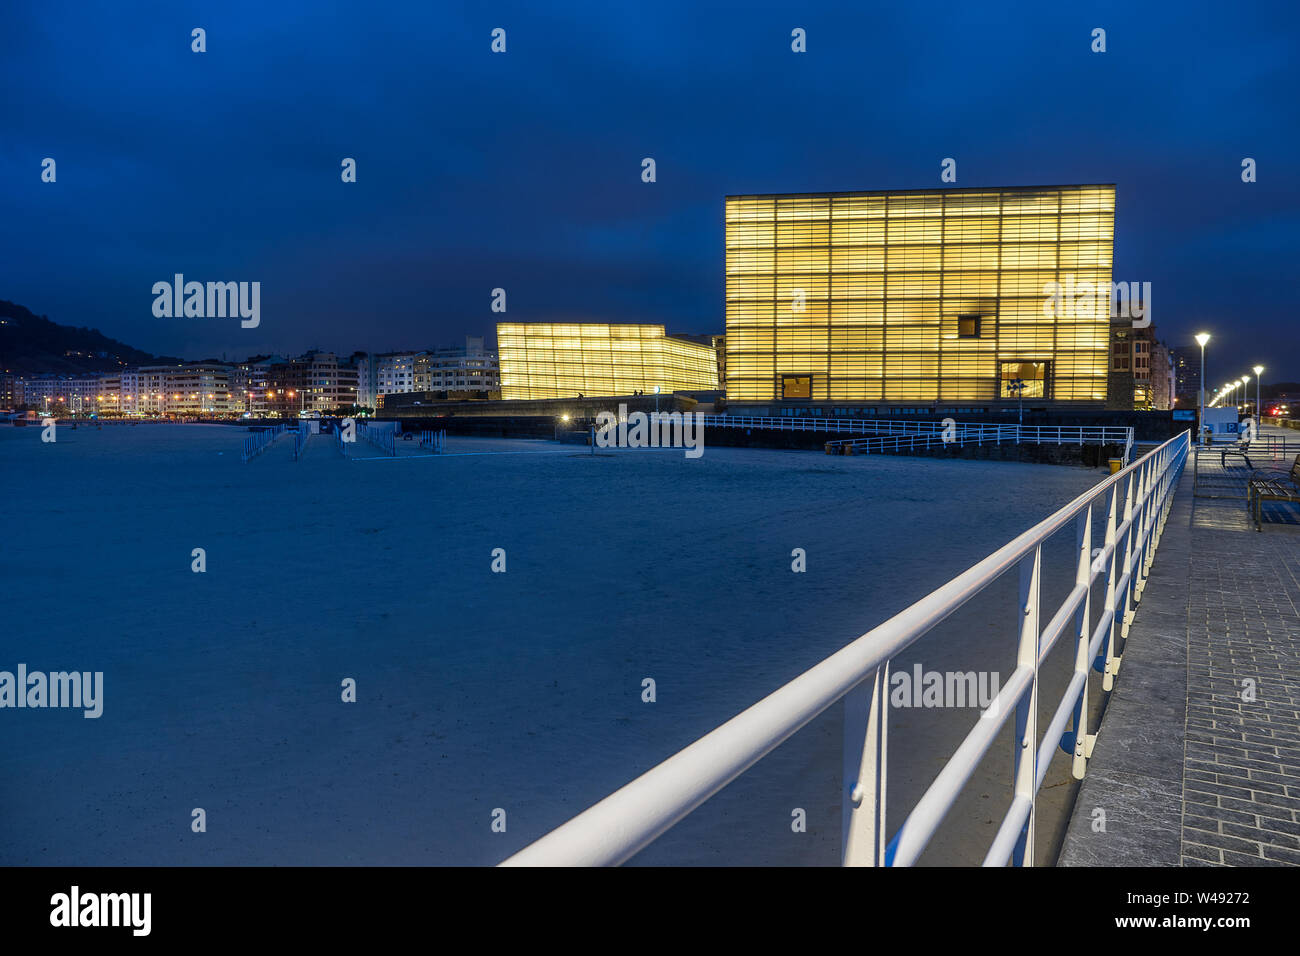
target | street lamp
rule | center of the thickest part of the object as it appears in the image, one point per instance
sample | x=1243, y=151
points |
x=1259, y=408
x=1017, y=385
x=1201, y=339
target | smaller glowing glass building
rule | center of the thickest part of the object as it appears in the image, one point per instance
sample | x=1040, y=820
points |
x=552, y=360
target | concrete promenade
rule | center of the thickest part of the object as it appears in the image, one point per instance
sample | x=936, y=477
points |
x=1197, y=762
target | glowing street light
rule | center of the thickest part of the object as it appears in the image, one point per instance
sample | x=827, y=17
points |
x=1259, y=409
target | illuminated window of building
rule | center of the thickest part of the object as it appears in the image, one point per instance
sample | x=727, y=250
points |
x=1031, y=376
x=796, y=386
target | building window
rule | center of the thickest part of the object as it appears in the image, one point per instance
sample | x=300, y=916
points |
x=796, y=386
x=968, y=326
x=1023, y=379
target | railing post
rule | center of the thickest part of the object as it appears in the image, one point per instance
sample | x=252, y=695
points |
x=1112, y=604
x=866, y=746
x=1141, y=524
x=1083, y=634
x=1157, y=508
x=1025, y=775
x=1127, y=609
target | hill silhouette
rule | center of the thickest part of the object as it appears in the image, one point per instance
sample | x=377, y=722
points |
x=31, y=344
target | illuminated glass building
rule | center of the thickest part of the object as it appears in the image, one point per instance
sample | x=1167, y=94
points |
x=552, y=360
x=942, y=297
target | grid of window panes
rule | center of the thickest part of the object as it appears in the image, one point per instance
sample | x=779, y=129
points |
x=918, y=295
x=552, y=360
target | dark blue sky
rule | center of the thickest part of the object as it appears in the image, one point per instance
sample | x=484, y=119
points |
x=522, y=170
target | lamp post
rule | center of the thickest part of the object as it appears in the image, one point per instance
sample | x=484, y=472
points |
x=1259, y=408
x=1245, y=400
x=656, y=399
x=1018, y=386
x=1201, y=339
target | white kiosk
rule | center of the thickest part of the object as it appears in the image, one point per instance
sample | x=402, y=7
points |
x=1222, y=423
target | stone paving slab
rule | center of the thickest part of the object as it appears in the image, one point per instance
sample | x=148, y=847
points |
x=1241, y=780
x=1197, y=762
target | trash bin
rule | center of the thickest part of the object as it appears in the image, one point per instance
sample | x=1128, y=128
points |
x=1116, y=464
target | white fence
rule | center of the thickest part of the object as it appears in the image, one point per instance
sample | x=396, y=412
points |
x=261, y=440
x=972, y=432
x=304, y=431
x=1137, y=501
x=850, y=426
x=435, y=442
x=968, y=433
x=383, y=437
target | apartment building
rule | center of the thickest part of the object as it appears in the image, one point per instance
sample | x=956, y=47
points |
x=469, y=368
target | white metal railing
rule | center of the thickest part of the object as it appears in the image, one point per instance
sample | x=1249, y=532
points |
x=433, y=441
x=960, y=436
x=1137, y=498
x=1043, y=434
x=261, y=440
x=300, y=436
x=856, y=426
x=972, y=433
x=384, y=438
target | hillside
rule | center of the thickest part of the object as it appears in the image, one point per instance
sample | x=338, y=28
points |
x=32, y=345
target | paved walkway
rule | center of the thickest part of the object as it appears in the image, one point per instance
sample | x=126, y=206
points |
x=1198, y=758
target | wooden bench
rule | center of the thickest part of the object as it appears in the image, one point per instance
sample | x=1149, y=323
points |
x=1272, y=486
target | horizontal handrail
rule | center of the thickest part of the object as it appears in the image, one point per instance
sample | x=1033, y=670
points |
x=967, y=433
x=900, y=427
x=624, y=823
x=841, y=425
